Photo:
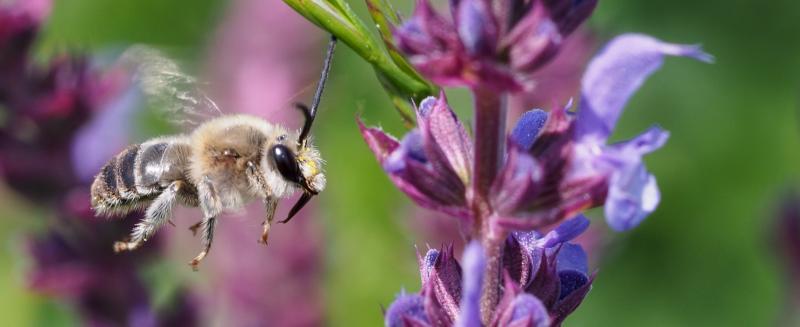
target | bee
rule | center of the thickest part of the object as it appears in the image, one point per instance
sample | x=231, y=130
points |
x=224, y=163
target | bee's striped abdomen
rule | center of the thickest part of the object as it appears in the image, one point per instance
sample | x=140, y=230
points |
x=114, y=188
x=124, y=171
x=138, y=174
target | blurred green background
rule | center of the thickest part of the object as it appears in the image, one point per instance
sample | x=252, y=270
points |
x=703, y=259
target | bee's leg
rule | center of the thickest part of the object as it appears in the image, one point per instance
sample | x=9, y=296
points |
x=270, y=203
x=211, y=207
x=208, y=236
x=156, y=215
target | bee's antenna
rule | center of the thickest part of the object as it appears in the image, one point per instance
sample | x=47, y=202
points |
x=310, y=114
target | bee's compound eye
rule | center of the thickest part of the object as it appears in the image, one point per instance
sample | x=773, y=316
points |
x=286, y=163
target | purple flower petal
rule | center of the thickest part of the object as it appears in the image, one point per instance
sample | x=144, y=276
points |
x=633, y=193
x=570, y=302
x=616, y=73
x=426, y=264
x=429, y=182
x=477, y=27
x=567, y=231
x=534, y=40
x=545, y=284
x=410, y=148
x=437, y=315
x=530, y=310
x=528, y=127
x=571, y=281
x=572, y=257
x=518, y=182
x=474, y=264
x=517, y=261
x=407, y=309
x=446, y=282
x=442, y=131
x=381, y=144
x=570, y=14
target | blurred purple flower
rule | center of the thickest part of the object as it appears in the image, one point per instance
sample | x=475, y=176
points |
x=43, y=109
x=73, y=261
x=558, y=164
x=488, y=44
x=544, y=279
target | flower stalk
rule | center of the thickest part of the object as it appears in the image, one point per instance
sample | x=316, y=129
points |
x=490, y=121
x=490, y=134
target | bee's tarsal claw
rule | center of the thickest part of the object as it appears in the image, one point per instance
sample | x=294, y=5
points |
x=195, y=263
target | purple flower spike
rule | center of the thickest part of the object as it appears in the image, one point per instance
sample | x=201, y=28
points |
x=474, y=264
x=616, y=73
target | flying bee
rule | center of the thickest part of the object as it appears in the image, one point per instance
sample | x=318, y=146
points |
x=222, y=164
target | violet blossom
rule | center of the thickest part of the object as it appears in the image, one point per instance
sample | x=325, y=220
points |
x=44, y=109
x=487, y=43
x=546, y=278
x=552, y=166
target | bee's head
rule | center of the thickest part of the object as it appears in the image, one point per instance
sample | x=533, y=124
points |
x=301, y=166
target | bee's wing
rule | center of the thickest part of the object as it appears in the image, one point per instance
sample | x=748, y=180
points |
x=176, y=94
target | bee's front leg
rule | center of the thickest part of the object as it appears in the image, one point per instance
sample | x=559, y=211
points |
x=270, y=203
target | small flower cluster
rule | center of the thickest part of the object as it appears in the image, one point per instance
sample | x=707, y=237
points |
x=486, y=43
x=44, y=110
x=551, y=167
x=545, y=279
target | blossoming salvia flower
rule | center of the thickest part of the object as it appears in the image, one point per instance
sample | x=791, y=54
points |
x=552, y=166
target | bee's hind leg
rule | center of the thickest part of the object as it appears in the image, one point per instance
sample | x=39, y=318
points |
x=211, y=207
x=208, y=236
x=156, y=215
